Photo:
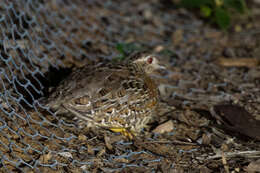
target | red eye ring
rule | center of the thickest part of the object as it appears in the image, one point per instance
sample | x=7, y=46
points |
x=150, y=60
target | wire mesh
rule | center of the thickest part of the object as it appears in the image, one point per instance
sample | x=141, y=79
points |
x=37, y=35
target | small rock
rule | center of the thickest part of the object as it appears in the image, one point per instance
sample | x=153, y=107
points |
x=65, y=154
x=253, y=167
x=165, y=127
x=159, y=48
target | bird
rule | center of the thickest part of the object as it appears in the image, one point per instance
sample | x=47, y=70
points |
x=118, y=95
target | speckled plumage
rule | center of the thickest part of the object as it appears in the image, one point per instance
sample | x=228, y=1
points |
x=110, y=94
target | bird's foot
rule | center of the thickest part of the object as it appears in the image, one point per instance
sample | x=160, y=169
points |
x=123, y=131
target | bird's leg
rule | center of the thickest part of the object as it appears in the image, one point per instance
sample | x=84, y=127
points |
x=123, y=131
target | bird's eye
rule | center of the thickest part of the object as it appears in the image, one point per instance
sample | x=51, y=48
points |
x=150, y=60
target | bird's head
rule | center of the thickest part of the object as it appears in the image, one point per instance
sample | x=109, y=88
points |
x=148, y=62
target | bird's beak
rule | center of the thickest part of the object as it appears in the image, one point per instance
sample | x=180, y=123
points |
x=159, y=67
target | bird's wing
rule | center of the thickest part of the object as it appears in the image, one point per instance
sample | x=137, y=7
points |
x=93, y=86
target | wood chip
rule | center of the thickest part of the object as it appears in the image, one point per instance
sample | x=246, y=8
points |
x=238, y=62
x=108, y=142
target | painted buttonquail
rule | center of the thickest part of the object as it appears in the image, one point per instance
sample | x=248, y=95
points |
x=117, y=95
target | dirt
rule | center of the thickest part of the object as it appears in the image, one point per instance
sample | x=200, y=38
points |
x=202, y=94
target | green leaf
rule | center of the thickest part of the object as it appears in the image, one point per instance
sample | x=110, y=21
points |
x=205, y=11
x=239, y=5
x=125, y=49
x=222, y=18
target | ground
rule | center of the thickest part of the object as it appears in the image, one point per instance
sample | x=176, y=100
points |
x=208, y=117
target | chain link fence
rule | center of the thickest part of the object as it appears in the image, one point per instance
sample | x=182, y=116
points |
x=37, y=35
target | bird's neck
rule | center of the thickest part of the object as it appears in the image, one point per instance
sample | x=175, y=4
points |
x=136, y=68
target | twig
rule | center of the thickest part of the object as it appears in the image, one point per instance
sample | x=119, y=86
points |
x=170, y=142
x=247, y=154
